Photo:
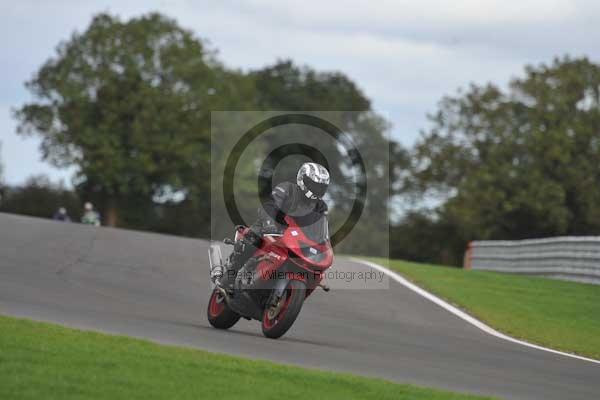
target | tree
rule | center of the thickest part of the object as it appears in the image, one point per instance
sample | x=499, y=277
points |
x=289, y=87
x=517, y=163
x=39, y=197
x=128, y=104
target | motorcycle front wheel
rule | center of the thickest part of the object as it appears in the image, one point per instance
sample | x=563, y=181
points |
x=278, y=319
x=219, y=314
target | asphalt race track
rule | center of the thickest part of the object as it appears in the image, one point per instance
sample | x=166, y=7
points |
x=157, y=287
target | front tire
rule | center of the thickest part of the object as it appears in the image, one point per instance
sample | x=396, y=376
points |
x=278, y=319
x=219, y=314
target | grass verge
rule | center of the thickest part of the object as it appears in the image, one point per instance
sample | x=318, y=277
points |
x=40, y=360
x=557, y=314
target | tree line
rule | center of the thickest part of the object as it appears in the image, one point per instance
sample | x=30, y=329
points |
x=128, y=104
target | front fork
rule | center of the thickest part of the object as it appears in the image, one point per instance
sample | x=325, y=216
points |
x=277, y=292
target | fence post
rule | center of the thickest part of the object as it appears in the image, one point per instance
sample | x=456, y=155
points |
x=468, y=256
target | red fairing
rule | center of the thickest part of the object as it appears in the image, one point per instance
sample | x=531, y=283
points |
x=296, y=241
x=294, y=246
x=273, y=256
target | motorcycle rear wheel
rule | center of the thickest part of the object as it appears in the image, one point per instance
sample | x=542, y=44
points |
x=279, y=319
x=219, y=314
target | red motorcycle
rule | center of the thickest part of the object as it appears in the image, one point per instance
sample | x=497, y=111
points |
x=284, y=270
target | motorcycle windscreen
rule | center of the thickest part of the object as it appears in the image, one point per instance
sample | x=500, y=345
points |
x=314, y=226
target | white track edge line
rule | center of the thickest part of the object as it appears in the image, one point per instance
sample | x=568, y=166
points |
x=461, y=314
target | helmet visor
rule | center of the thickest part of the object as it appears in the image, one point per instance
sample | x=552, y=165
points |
x=317, y=189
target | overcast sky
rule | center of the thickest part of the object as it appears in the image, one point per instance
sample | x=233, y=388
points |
x=405, y=55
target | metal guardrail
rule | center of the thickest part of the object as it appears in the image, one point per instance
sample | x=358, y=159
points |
x=575, y=258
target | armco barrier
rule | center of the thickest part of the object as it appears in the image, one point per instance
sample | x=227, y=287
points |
x=574, y=258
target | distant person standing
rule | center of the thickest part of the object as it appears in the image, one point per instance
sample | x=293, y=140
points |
x=90, y=216
x=61, y=215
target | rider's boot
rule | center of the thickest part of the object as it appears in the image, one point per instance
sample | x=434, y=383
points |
x=242, y=251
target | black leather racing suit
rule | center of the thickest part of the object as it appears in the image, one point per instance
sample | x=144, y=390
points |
x=286, y=199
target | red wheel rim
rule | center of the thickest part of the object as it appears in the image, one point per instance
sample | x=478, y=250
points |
x=271, y=322
x=217, y=304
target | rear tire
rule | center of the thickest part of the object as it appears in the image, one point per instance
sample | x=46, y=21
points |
x=274, y=326
x=219, y=314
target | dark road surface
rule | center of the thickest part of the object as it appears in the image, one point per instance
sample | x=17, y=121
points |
x=157, y=287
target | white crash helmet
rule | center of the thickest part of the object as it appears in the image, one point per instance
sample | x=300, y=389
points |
x=313, y=179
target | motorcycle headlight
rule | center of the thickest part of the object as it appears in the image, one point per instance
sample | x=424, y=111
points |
x=312, y=253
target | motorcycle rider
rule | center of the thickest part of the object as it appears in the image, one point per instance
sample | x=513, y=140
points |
x=294, y=199
x=61, y=215
x=90, y=216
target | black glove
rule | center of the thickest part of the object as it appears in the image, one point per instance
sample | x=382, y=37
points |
x=252, y=238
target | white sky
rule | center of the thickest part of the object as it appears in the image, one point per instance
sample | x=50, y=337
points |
x=405, y=55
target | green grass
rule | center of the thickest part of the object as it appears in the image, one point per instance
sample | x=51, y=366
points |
x=44, y=361
x=557, y=314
